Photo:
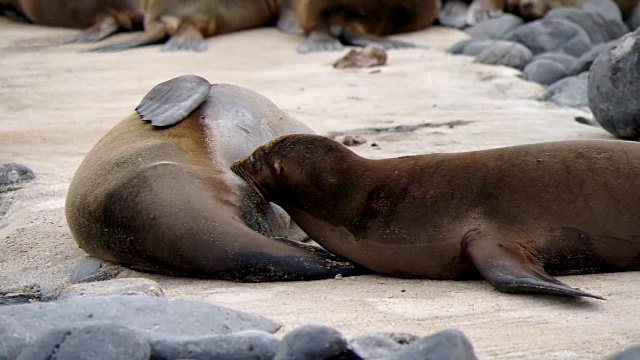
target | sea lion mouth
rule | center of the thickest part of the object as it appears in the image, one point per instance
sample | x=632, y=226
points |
x=238, y=169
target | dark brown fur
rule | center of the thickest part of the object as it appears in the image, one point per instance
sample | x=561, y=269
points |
x=565, y=207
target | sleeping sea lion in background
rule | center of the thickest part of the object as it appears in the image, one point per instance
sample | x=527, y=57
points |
x=188, y=22
x=516, y=215
x=331, y=24
x=482, y=10
x=98, y=18
x=160, y=196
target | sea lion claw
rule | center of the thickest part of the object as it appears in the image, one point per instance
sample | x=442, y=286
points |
x=170, y=102
x=509, y=268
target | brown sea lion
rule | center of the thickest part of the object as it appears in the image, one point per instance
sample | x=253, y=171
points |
x=627, y=7
x=160, y=196
x=328, y=24
x=99, y=18
x=188, y=22
x=481, y=10
x=515, y=214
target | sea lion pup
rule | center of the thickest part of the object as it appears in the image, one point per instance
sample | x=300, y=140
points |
x=99, y=18
x=160, y=197
x=328, y=24
x=188, y=22
x=513, y=214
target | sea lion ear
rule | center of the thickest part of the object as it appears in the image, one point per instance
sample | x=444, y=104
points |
x=277, y=167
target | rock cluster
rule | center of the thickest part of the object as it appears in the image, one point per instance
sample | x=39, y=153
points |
x=556, y=50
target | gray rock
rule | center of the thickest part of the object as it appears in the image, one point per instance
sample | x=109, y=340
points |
x=154, y=316
x=475, y=48
x=584, y=62
x=547, y=35
x=249, y=345
x=375, y=347
x=126, y=286
x=633, y=21
x=544, y=71
x=629, y=354
x=89, y=341
x=313, y=342
x=496, y=28
x=13, y=174
x=505, y=53
x=599, y=28
x=564, y=60
x=605, y=7
x=458, y=47
x=613, y=88
x=454, y=14
x=445, y=345
x=13, y=338
x=570, y=91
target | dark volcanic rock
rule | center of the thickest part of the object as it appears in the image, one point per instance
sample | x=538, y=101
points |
x=570, y=91
x=445, y=345
x=476, y=47
x=244, y=345
x=379, y=346
x=505, y=53
x=495, y=28
x=599, y=28
x=547, y=35
x=614, y=85
x=12, y=174
x=89, y=341
x=314, y=342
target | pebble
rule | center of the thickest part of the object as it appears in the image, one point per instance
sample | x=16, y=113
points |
x=505, y=53
x=570, y=91
x=550, y=34
x=599, y=28
x=496, y=28
x=13, y=174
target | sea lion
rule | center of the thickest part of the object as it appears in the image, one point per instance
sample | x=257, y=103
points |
x=481, y=10
x=330, y=24
x=160, y=197
x=188, y=22
x=516, y=215
x=99, y=18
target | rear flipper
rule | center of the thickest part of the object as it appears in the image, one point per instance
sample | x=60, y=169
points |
x=188, y=38
x=509, y=267
x=152, y=35
x=108, y=25
x=170, y=102
x=320, y=40
x=356, y=37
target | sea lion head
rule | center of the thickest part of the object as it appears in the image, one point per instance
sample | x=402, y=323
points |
x=531, y=9
x=293, y=167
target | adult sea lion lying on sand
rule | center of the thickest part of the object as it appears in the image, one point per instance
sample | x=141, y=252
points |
x=515, y=214
x=188, y=22
x=99, y=18
x=328, y=24
x=160, y=196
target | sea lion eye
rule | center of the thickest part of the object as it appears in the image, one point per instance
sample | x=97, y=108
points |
x=277, y=167
x=255, y=165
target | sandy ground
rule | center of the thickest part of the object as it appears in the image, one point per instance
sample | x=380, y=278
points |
x=56, y=103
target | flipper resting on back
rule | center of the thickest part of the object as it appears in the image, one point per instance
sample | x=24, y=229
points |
x=170, y=102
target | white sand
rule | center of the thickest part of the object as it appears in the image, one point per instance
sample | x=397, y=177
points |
x=56, y=103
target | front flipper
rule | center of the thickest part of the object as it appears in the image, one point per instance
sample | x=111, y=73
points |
x=509, y=267
x=170, y=102
x=108, y=25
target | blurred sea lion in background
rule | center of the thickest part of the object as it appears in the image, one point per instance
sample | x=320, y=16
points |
x=329, y=25
x=187, y=23
x=99, y=18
